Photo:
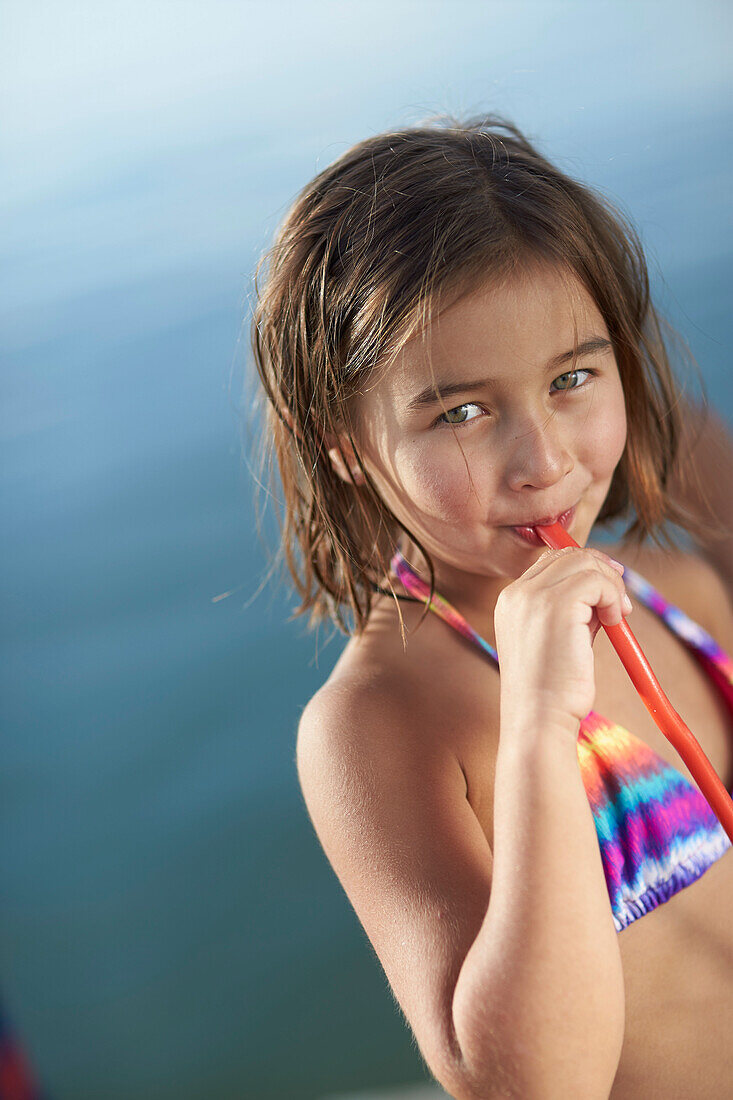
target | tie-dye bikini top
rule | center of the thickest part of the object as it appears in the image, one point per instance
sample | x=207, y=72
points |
x=657, y=834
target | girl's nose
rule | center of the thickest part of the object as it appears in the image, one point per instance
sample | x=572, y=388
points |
x=538, y=456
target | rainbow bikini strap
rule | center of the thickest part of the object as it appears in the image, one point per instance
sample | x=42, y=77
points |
x=419, y=588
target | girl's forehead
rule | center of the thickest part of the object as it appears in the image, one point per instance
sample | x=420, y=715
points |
x=533, y=316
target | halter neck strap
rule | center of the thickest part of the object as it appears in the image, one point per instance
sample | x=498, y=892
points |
x=416, y=586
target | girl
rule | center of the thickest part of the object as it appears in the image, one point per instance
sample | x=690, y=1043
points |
x=456, y=341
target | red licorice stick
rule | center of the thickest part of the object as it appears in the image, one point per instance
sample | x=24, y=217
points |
x=656, y=702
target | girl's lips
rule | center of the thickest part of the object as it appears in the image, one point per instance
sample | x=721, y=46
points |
x=527, y=533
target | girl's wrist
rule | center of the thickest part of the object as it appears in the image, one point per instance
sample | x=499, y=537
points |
x=523, y=725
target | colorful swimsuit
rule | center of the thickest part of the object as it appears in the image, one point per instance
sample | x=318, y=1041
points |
x=656, y=832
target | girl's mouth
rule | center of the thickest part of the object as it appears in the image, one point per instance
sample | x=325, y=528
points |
x=526, y=534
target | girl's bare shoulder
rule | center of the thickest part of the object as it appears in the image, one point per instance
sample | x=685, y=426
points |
x=688, y=581
x=388, y=696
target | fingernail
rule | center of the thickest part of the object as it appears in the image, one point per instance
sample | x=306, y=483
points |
x=628, y=604
x=616, y=564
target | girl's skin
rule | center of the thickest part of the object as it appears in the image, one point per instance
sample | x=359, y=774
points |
x=709, y=448
x=397, y=753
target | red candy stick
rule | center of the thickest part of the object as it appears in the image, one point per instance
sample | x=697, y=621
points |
x=656, y=702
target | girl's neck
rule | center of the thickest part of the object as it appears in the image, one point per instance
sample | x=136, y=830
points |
x=473, y=595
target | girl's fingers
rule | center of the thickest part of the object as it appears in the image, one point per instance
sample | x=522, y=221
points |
x=613, y=604
x=592, y=576
x=567, y=561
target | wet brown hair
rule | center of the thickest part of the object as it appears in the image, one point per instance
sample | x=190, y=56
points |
x=400, y=225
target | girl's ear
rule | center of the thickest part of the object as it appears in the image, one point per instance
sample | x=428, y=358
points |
x=343, y=460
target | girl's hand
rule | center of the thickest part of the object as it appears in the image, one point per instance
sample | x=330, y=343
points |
x=546, y=622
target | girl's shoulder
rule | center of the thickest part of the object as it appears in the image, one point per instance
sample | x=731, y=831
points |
x=686, y=580
x=428, y=697
x=369, y=736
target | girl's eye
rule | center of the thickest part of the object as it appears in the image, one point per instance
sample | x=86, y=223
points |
x=459, y=415
x=571, y=374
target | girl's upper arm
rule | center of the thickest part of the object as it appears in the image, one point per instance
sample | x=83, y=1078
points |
x=390, y=809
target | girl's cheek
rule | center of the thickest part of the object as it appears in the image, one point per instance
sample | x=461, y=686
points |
x=437, y=483
x=606, y=440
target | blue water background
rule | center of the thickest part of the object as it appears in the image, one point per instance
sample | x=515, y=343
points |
x=169, y=927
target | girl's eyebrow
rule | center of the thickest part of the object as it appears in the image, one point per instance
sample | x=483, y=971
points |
x=434, y=393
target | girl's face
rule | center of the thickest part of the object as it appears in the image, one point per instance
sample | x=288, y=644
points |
x=520, y=435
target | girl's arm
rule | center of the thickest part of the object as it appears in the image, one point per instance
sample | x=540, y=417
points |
x=507, y=969
x=541, y=993
x=708, y=446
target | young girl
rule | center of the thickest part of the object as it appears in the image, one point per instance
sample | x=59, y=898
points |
x=456, y=341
